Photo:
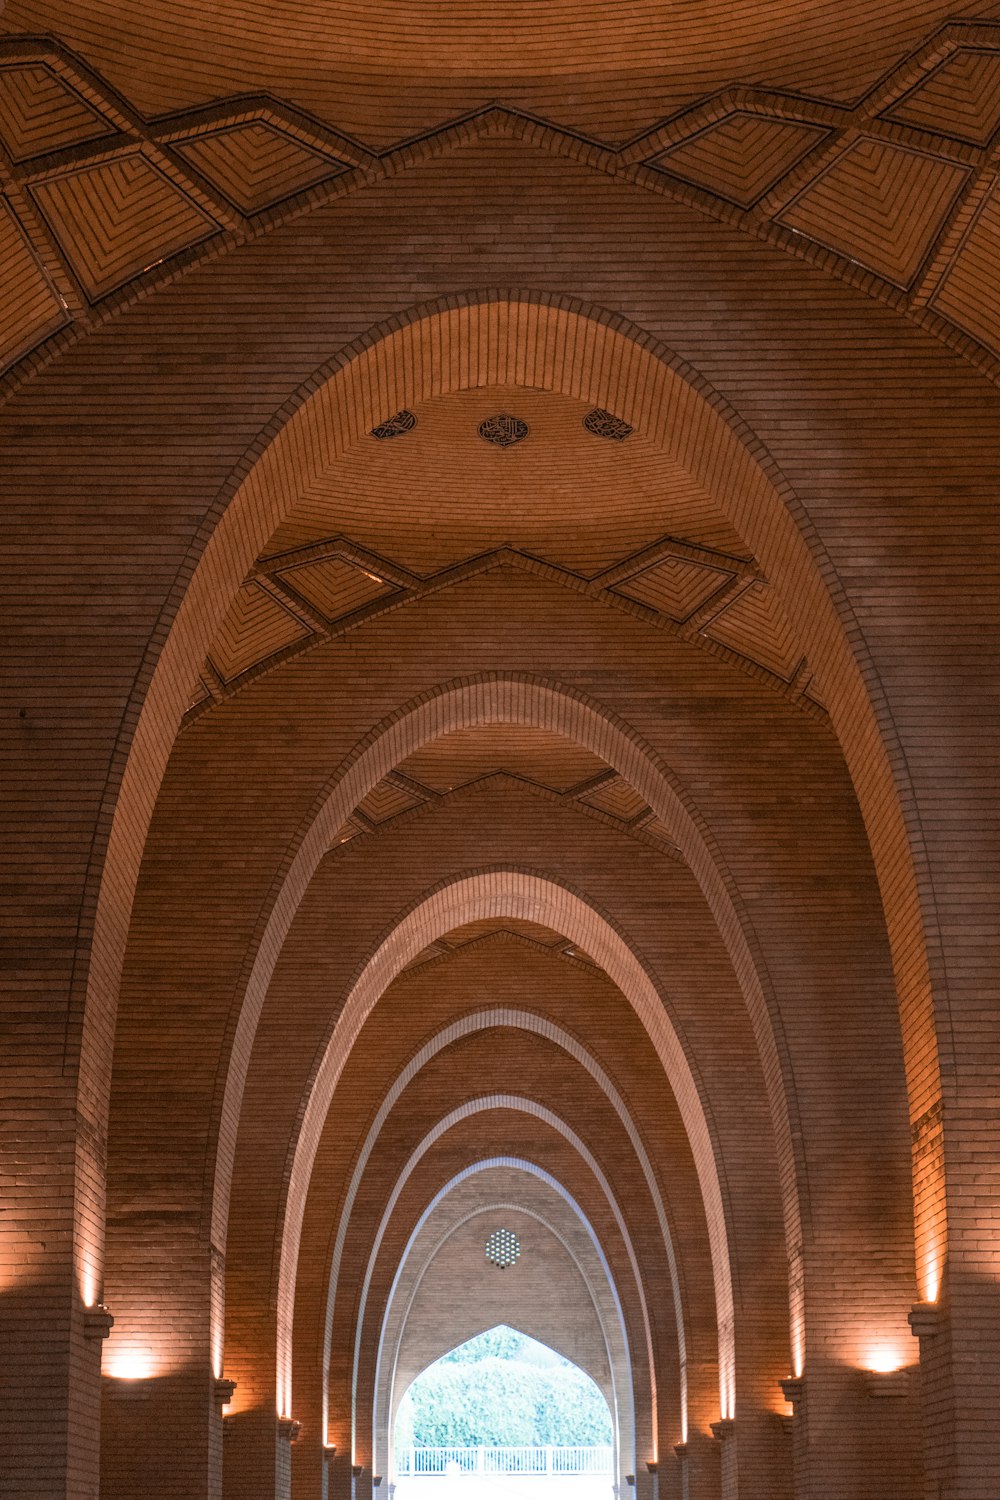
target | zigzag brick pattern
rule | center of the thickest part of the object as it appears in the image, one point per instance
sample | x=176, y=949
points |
x=117, y=219
x=741, y=157
x=756, y=627
x=433, y=950
x=256, y=164
x=29, y=308
x=879, y=205
x=617, y=798
x=39, y=112
x=385, y=801
x=674, y=587
x=334, y=586
x=535, y=932
x=961, y=98
x=872, y=205
x=810, y=922
x=534, y=754
x=656, y=829
x=970, y=294
x=399, y=69
x=254, y=629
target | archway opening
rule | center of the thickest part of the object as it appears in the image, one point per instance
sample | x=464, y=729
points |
x=504, y=1414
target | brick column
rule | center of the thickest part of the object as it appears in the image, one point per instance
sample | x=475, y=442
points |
x=50, y=1370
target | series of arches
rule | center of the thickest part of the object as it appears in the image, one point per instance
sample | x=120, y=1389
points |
x=204, y=895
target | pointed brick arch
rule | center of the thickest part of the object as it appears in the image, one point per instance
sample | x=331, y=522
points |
x=546, y=1116
x=598, y=1278
x=608, y=1309
x=556, y=344
x=520, y=699
x=539, y=1025
x=520, y=894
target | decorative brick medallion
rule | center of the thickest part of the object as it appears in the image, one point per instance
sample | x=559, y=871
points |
x=606, y=425
x=503, y=430
x=403, y=421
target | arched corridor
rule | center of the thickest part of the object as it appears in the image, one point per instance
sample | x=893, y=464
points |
x=500, y=629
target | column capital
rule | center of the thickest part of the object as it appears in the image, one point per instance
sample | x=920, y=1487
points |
x=926, y=1319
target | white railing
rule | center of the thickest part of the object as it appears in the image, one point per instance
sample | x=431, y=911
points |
x=413, y=1462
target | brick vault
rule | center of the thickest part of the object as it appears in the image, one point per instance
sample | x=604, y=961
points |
x=500, y=593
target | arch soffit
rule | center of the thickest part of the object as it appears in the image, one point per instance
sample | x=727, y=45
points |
x=491, y=1205
x=548, y=1117
x=793, y=690
x=507, y=893
x=522, y=338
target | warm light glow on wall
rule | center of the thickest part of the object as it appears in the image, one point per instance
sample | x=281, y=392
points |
x=284, y=1397
x=883, y=1358
x=931, y=1286
x=798, y=1352
x=217, y=1317
x=727, y=1377
x=929, y=1212
x=88, y=1271
x=797, y=1315
x=727, y=1399
x=130, y=1364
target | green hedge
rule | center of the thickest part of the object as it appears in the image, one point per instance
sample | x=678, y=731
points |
x=502, y=1389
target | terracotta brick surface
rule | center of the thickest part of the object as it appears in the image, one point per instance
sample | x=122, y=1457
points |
x=777, y=873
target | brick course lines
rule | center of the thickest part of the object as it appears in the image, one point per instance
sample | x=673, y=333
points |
x=873, y=794
x=523, y=1134
x=871, y=1311
x=491, y=967
x=887, y=442
x=871, y=124
x=422, y=1321
x=395, y=71
x=272, y=686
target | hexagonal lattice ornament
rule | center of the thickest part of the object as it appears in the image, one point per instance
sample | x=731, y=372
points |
x=502, y=1248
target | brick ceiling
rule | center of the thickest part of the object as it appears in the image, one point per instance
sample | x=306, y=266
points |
x=872, y=157
x=561, y=494
x=391, y=520
x=412, y=728
x=388, y=70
